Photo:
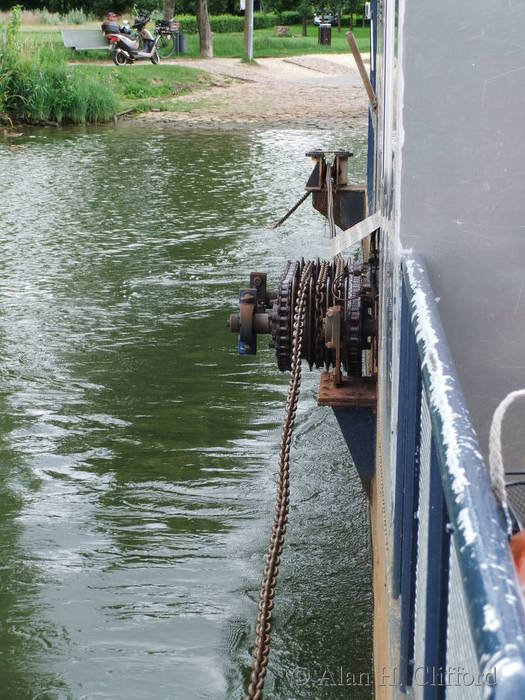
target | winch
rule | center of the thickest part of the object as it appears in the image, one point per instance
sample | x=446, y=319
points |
x=326, y=313
x=338, y=323
x=340, y=317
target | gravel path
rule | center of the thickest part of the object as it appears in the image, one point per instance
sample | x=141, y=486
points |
x=299, y=90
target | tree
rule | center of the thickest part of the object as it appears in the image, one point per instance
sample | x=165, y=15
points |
x=203, y=23
x=305, y=12
x=336, y=7
x=280, y=6
x=168, y=8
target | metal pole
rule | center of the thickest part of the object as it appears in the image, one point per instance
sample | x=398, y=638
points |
x=248, y=31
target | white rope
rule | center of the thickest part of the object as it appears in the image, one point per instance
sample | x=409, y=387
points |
x=330, y=200
x=496, y=468
x=354, y=234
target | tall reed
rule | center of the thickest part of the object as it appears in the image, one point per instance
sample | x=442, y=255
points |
x=37, y=85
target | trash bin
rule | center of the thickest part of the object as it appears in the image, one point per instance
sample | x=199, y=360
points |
x=325, y=34
x=181, y=43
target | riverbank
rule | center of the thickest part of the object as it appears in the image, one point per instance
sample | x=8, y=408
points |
x=39, y=87
x=314, y=90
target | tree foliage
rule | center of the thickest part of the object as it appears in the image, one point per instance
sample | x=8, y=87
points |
x=101, y=7
x=304, y=8
x=280, y=6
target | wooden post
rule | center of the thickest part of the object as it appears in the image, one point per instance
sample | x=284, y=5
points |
x=362, y=70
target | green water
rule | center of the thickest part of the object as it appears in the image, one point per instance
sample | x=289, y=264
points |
x=138, y=451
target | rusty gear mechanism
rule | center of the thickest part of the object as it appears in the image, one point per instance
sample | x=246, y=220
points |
x=340, y=327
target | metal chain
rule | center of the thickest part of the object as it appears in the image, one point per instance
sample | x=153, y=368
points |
x=261, y=650
x=338, y=284
x=330, y=200
x=320, y=291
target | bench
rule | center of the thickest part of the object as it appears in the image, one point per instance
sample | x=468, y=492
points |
x=84, y=40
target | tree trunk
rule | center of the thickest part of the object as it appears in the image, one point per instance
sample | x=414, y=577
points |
x=338, y=21
x=168, y=8
x=304, y=27
x=203, y=22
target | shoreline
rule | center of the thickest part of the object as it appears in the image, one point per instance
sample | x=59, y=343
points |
x=311, y=91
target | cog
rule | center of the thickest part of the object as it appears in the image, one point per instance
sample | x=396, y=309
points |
x=282, y=314
x=352, y=348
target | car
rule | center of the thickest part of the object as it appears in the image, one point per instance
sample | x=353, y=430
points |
x=328, y=18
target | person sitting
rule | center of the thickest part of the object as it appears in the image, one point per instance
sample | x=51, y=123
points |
x=110, y=24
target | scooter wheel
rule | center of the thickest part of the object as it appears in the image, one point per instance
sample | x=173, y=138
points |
x=119, y=59
x=155, y=58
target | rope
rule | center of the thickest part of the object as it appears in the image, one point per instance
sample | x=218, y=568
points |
x=330, y=200
x=261, y=650
x=496, y=468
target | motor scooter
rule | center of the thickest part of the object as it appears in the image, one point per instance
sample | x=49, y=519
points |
x=128, y=49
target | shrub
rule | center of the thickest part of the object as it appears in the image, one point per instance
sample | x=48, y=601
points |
x=224, y=24
x=75, y=17
x=47, y=17
x=292, y=17
x=37, y=85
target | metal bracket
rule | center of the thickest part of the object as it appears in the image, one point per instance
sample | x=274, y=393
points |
x=258, y=282
x=247, y=337
x=352, y=392
x=333, y=341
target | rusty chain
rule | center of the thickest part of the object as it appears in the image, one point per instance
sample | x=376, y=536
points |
x=261, y=650
x=330, y=200
x=320, y=291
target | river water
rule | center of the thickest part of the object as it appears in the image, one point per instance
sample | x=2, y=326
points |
x=138, y=451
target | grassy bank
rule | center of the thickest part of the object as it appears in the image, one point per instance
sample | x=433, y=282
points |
x=38, y=86
x=145, y=87
x=80, y=94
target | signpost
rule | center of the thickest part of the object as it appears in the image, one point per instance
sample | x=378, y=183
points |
x=248, y=31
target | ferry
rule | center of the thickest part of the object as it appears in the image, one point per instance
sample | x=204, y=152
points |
x=416, y=322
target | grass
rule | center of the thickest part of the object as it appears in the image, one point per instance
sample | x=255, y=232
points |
x=229, y=45
x=37, y=85
x=36, y=91
x=265, y=44
x=146, y=87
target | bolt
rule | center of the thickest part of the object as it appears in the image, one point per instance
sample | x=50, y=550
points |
x=234, y=323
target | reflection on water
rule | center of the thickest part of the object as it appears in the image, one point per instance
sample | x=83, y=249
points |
x=138, y=451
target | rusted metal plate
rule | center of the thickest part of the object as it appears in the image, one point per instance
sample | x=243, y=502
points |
x=350, y=205
x=353, y=392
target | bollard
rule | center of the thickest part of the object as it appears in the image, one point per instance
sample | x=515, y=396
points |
x=325, y=34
